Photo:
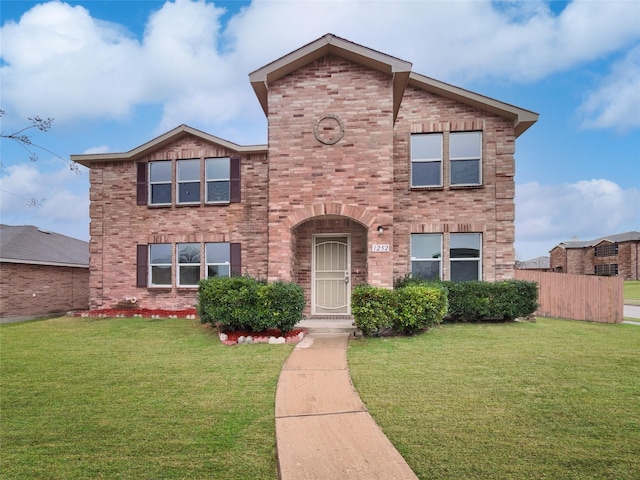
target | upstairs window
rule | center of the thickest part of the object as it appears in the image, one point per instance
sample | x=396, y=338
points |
x=155, y=182
x=160, y=183
x=465, y=155
x=464, y=255
x=606, y=270
x=188, y=255
x=218, y=178
x=160, y=265
x=426, y=253
x=426, y=160
x=188, y=172
x=606, y=250
x=218, y=257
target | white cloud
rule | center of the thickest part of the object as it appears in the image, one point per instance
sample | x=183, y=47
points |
x=65, y=195
x=61, y=62
x=588, y=209
x=98, y=149
x=616, y=102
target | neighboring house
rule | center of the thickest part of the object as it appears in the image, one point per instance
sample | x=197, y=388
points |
x=538, y=263
x=41, y=273
x=371, y=172
x=610, y=255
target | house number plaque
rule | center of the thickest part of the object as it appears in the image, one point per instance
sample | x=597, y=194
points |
x=380, y=247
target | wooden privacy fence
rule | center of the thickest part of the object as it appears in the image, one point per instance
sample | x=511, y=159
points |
x=578, y=297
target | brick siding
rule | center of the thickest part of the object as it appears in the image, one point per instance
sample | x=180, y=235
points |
x=582, y=261
x=37, y=290
x=307, y=187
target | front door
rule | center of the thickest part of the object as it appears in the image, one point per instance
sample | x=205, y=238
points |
x=331, y=293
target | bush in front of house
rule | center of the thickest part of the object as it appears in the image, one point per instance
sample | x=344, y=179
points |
x=372, y=309
x=476, y=301
x=245, y=303
x=418, y=307
x=405, y=310
x=280, y=305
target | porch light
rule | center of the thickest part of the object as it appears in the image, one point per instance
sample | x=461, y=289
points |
x=380, y=229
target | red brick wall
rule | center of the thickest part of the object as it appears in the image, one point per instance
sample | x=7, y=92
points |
x=118, y=225
x=362, y=178
x=488, y=210
x=34, y=290
x=353, y=177
x=582, y=261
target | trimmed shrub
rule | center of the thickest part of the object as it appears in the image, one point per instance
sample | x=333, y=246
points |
x=478, y=301
x=418, y=307
x=405, y=310
x=280, y=305
x=372, y=309
x=244, y=303
x=228, y=301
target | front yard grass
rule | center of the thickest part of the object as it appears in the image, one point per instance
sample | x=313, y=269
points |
x=546, y=400
x=87, y=398
x=632, y=292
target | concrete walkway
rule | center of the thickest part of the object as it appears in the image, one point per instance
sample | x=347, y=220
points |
x=323, y=429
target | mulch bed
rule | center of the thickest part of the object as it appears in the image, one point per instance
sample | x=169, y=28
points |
x=272, y=336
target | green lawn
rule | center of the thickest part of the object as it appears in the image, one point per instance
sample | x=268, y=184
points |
x=85, y=398
x=546, y=400
x=632, y=292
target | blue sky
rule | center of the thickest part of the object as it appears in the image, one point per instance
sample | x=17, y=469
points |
x=115, y=74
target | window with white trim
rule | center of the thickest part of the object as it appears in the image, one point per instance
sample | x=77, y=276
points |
x=188, y=260
x=160, y=183
x=188, y=173
x=160, y=265
x=426, y=160
x=465, y=253
x=426, y=255
x=218, y=179
x=218, y=258
x=465, y=157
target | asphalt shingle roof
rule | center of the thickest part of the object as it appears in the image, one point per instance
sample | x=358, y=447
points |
x=620, y=237
x=28, y=244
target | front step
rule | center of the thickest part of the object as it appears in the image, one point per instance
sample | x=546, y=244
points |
x=332, y=324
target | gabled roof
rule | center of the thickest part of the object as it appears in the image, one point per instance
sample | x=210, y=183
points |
x=399, y=70
x=331, y=44
x=522, y=119
x=534, y=263
x=632, y=236
x=29, y=244
x=161, y=141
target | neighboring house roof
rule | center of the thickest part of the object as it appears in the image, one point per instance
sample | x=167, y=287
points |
x=29, y=244
x=162, y=140
x=399, y=70
x=538, y=262
x=618, y=238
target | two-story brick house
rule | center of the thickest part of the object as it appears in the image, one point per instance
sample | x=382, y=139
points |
x=617, y=254
x=371, y=172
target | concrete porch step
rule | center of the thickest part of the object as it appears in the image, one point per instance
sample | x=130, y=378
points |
x=332, y=324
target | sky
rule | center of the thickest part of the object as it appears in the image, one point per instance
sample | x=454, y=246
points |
x=116, y=74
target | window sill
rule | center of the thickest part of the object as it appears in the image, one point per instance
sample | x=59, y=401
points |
x=159, y=287
x=465, y=187
x=426, y=189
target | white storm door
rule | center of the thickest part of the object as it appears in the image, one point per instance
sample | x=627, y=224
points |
x=331, y=275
